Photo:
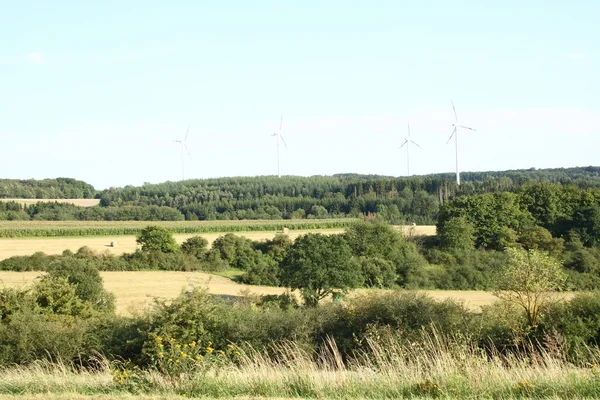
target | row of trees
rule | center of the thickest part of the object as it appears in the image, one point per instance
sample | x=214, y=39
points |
x=59, y=188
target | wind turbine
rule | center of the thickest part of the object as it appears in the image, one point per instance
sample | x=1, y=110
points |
x=183, y=145
x=407, y=143
x=455, y=134
x=279, y=136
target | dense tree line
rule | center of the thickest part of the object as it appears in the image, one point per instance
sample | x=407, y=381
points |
x=59, y=188
x=416, y=199
x=12, y=211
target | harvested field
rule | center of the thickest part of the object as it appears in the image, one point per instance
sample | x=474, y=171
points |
x=77, y=202
x=135, y=290
x=124, y=244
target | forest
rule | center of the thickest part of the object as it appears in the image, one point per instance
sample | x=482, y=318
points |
x=399, y=200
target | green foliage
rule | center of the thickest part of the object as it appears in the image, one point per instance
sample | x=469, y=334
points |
x=276, y=247
x=196, y=246
x=370, y=315
x=537, y=238
x=320, y=265
x=157, y=238
x=193, y=316
x=457, y=234
x=55, y=295
x=373, y=239
x=84, y=276
x=263, y=271
x=59, y=188
x=238, y=251
x=530, y=281
x=378, y=272
x=489, y=213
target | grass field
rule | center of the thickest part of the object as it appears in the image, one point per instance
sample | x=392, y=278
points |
x=134, y=290
x=77, y=202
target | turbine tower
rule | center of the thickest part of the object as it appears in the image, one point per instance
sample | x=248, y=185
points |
x=183, y=145
x=279, y=136
x=455, y=134
x=407, y=143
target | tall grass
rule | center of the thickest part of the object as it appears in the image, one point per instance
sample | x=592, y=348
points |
x=435, y=367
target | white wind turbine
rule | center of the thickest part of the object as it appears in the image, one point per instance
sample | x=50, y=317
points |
x=183, y=145
x=407, y=143
x=279, y=136
x=455, y=134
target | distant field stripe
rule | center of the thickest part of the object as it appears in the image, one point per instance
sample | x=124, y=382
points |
x=22, y=229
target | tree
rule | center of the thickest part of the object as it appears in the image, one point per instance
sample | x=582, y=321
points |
x=531, y=280
x=319, y=265
x=457, y=234
x=157, y=238
x=196, y=246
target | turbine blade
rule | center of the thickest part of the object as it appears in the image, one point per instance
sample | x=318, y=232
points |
x=281, y=123
x=455, y=116
x=466, y=127
x=416, y=144
x=450, y=138
x=186, y=149
x=283, y=141
x=409, y=129
x=187, y=133
x=403, y=144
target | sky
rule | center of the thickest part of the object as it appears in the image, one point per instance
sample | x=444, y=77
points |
x=99, y=91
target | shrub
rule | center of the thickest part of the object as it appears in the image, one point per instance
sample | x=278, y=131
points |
x=196, y=246
x=157, y=238
x=378, y=272
x=86, y=279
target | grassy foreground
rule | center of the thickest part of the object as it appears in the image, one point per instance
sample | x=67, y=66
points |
x=437, y=368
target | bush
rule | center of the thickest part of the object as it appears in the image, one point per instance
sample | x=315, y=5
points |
x=378, y=272
x=86, y=279
x=405, y=313
x=157, y=238
x=196, y=246
x=238, y=251
x=55, y=295
x=264, y=271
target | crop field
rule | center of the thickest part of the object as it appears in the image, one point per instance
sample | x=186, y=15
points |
x=17, y=229
x=135, y=290
x=77, y=202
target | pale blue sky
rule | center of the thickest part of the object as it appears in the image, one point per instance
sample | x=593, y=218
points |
x=99, y=90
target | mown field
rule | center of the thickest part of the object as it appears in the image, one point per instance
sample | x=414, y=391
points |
x=77, y=202
x=52, y=237
x=123, y=244
x=134, y=290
